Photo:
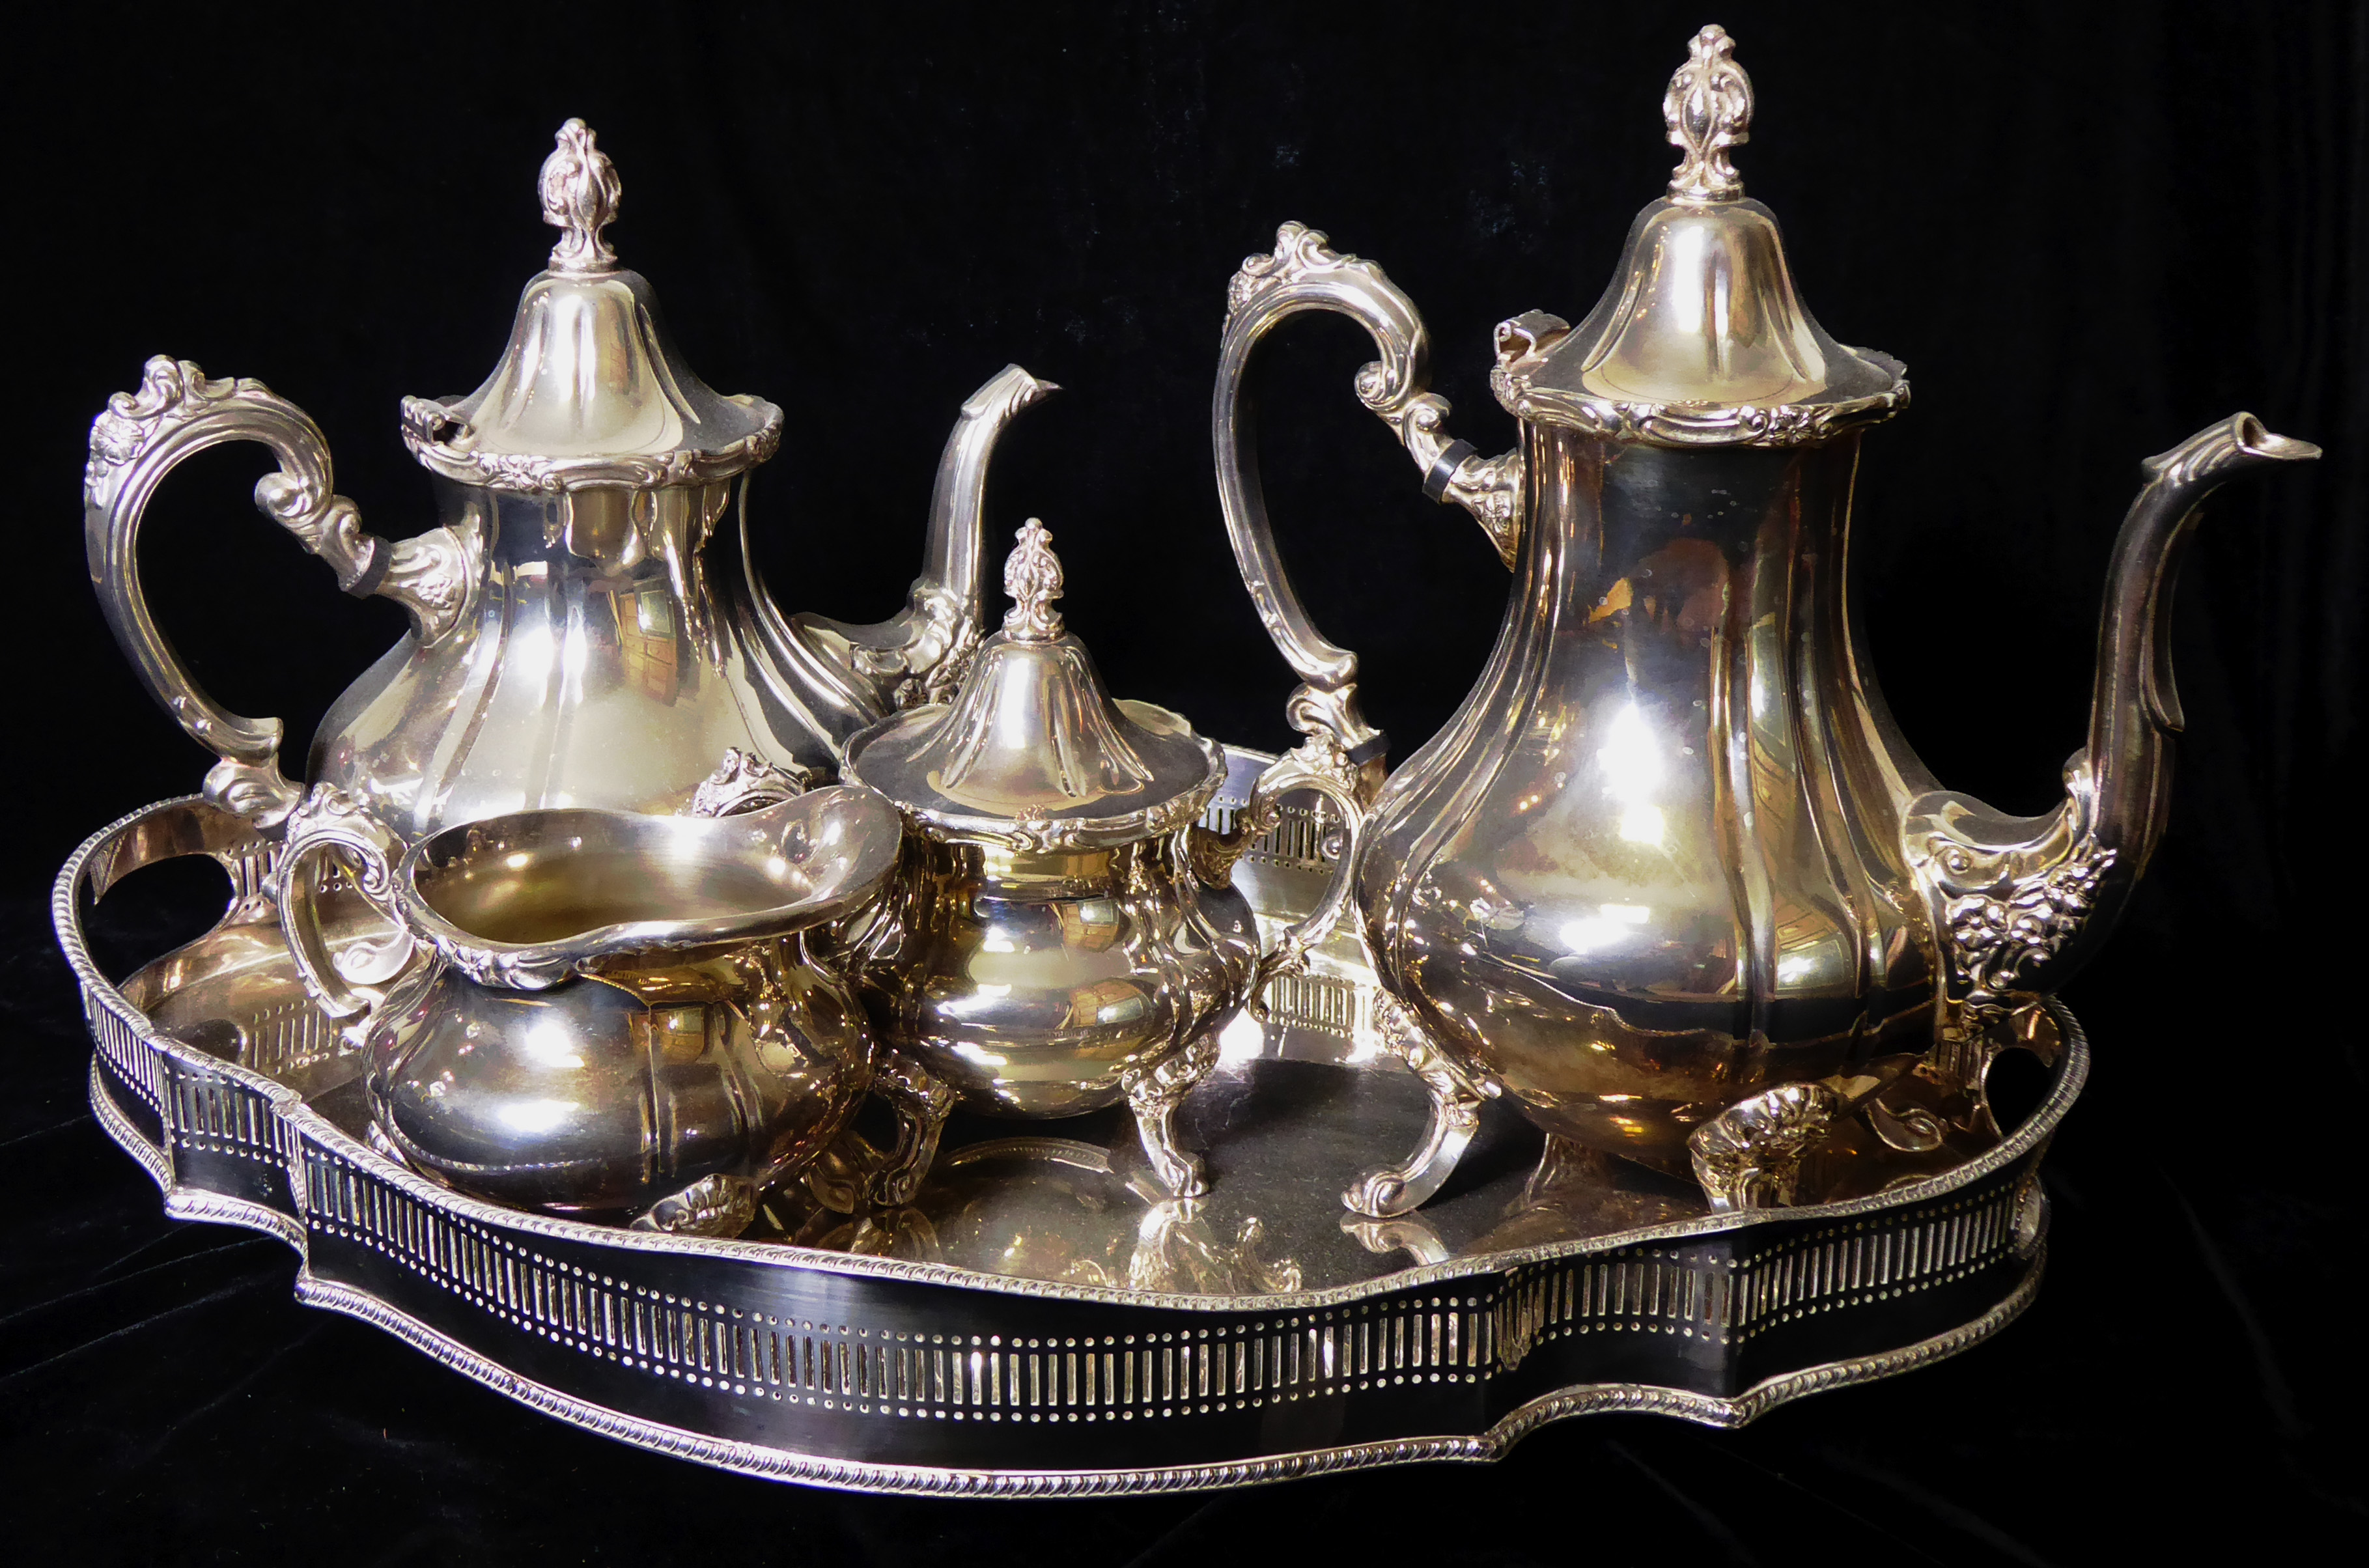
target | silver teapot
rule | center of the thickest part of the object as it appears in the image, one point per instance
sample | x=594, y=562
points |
x=588, y=629
x=600, y=1013
x=1670, y=879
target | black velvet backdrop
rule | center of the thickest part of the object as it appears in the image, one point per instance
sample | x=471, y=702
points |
x=2087, y=230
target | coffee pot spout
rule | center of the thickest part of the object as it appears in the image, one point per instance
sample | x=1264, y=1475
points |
x=919, y=655
x=2020, y=903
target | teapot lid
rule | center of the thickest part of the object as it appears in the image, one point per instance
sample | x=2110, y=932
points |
x=590, y=391
x=1700, y=339
x=1032, y=751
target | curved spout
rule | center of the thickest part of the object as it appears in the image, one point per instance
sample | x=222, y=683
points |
x=2019, y=903
x=861, y=673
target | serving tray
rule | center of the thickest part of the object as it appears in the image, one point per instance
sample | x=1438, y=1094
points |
x=1040, y=1321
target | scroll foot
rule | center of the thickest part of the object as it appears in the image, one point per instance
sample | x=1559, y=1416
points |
x=923, y=1104
x=1409, y=1233
x=1454, y=1114
x=1749, y=1156
x=713, y=1205
x=1153, y=1095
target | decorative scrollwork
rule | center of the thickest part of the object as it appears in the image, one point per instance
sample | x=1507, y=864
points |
x=1032, y=833
x=1300, y=252
x=330, y=820
x=1455, y=1117
x=1153, y=1093
x=1994, y=940
x=442, y=441
x=1749, y=1156
x=1707, y=108
x=1663, y=424
x=171, y=391
x=744, y=781
x=721, y=1205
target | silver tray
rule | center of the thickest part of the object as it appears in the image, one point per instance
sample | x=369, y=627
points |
x=1035, y=1324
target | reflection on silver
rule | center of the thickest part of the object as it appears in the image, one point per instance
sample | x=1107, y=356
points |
x=587, y=629
x=597, y=1012
x=1064, y=934
x=1057, y=1209
x=1670, y=879
x=1595, y=1285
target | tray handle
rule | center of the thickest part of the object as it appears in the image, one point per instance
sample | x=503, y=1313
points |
x=134, y=442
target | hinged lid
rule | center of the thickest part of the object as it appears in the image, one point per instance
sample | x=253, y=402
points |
x=590, y=391
x=1702, y=339
x=1031, y=750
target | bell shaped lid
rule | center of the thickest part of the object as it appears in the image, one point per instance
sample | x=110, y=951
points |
x=1701, y=337
x=590, y=391
x=1032, y=751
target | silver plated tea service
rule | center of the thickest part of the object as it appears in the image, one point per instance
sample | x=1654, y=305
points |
x=675, y=1098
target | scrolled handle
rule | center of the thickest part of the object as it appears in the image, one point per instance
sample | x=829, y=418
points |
x=330, y=822
x=136, y=441
x=1305, y=273
x=1319, y=764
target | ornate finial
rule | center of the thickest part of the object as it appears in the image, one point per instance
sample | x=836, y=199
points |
x=580, y=194
x=1032, y=576
x=1708, y=110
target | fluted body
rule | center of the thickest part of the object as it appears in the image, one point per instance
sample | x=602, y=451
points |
x=1650, y=865
x=596, y=665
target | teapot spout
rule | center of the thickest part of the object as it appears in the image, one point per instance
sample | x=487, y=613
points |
x=918, y=655
x=2020, y=903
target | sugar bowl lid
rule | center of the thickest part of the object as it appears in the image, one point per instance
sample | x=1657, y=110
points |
x=1032, y=751
x=590, y=390
x=1701, y=337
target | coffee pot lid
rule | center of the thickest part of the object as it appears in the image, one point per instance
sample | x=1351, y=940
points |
x=1700, y=338
x=590, y=390
x=1032, y=751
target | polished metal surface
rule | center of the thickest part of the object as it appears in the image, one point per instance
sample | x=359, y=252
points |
x=1030, y=752
x=1669, y=880
x=590, y=393
x=587, y=627
x=1038, y=1319
x=595, y=1012
x=1064, y=932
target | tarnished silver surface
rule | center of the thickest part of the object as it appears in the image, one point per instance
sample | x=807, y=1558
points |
x=587, y=627
x=1038, y=1319
x=595, y=1012
x=1670, y=879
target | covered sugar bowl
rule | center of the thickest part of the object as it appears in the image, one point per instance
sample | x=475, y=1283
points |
x=1063, y=933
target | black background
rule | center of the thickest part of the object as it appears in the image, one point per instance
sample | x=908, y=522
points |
x=2087, y=230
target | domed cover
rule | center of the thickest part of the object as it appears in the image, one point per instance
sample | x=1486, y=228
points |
x=1700, y=338
x=1031, y=749
x=590, y=390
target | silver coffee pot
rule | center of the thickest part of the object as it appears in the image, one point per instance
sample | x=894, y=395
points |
x=1670, y=879
x=588, y=629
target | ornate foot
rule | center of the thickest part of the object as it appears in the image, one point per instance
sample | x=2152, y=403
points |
x=923, y=1104
x=1410, y=1233
x=1749, y=1156
x=711, y=1206
x=1455, y=1113
x=1154, y=1094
